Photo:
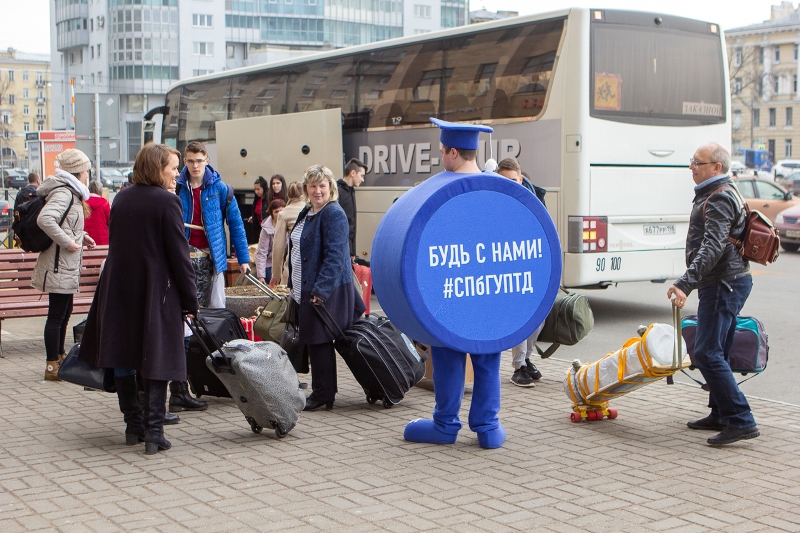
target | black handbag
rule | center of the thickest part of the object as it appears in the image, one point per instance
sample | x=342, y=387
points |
x=85, y=374
x=290, y=340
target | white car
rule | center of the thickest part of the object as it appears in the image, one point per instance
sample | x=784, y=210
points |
x=785, y=167
x=737, y=167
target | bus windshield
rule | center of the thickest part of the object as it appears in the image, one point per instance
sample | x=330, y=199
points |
x=666, y=75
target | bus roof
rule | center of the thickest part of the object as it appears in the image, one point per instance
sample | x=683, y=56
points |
x=329, y=54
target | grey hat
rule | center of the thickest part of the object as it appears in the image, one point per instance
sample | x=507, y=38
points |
x=73, y=161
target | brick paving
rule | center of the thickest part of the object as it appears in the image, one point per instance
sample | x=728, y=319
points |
x=64, y=465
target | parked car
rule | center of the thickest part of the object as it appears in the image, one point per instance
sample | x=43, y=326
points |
x=6, y=211
x=737, y=167
x=787, y=223
x=112, y=178
x=790, y=182
x=785, y=167
x=15, y=178
x=765, y=196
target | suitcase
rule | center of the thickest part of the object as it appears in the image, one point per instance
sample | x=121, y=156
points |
x=224, y=326
x=750, y=350
x=657, y=354
x=364, y=277
x=382, y=359
x=247, y=325
x=260, y=377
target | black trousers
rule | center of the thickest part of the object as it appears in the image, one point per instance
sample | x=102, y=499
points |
x=55, y=329
x=323, y=371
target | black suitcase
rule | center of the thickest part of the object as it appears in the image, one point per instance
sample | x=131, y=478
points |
x=382, y=359
x=225, y=326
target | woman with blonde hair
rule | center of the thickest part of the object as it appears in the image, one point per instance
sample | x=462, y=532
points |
x=58, y=268
x=284, y=225
x=135, y=324
x=320, y=273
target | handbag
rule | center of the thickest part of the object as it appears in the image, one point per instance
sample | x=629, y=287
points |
x=270, y=319
x=569, y=321
x=290, y=340
x=85, y=374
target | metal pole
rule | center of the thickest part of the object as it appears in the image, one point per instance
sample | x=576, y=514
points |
x=97, y=135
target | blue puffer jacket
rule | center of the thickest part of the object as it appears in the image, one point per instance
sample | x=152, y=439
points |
x=214, y=195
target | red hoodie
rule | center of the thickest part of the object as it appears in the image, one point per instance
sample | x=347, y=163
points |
x=96, y=225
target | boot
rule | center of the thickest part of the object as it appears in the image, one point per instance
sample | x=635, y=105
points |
x=169, y=418
x=131, y=410
x=181, y=400
x=449, y=367
x=155, y=393
x=51, y=370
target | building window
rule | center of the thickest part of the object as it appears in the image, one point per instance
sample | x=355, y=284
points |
x=26, y=110
x=99, y=50
x=777, y=54
x=10, y=75
x=11, y=99
x=789, y=116
x=24, y=75
x=230, y=51
x=737, y=86
x=92, y=78
x=795, y=52
x=737, y=57
x=423, y=12
x=40, y=127
x=787, y=148
x=202, y=21
x=100, y=78
x=772, y=116
x=760, y=53
x=203, y=49
x=201, y=72
x=6, y=118
x=794, y=84
x=25, y=93
x=737, y=119
x=92, y=48
x=757, y=117
x=777, y=85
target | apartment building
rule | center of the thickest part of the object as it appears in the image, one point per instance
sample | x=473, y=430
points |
x=24, y=102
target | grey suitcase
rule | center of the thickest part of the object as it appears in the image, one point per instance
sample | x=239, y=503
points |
x=260, y=379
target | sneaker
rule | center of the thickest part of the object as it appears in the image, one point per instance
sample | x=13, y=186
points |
x=532, y=371
x=708, y=422
x=520, y=378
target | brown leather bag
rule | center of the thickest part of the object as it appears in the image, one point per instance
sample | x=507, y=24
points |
x=759, y=241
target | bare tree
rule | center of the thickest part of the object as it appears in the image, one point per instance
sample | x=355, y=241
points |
x=747, y=78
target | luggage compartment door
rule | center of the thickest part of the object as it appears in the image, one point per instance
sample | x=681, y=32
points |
x=278, y=144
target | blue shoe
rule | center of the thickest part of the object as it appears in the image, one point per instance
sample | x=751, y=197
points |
x=491, y=439
x=421, y=430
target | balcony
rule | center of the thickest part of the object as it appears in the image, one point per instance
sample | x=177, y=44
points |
x=41, y=118
x=41, y=101
x=40, y=84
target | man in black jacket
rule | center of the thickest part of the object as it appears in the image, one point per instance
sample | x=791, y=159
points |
x=722, y=277
x=28, y=192
x=354, y=172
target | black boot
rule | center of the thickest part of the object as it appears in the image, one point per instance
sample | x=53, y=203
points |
x=155, y=400
x=131, y=410
x=169, y=418
x=181, y=400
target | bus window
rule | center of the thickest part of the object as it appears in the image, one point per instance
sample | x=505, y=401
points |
x=379, y=77
x=201, y=105
x=643, y=74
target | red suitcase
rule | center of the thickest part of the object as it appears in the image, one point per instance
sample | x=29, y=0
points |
x=364, y=277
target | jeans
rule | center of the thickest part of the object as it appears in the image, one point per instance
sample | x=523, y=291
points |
x=55, y=329
x=716, y=325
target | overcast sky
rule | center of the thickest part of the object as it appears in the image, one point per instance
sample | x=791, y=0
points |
x=24, y=24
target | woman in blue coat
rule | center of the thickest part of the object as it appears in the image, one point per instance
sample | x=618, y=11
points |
x=320, y=272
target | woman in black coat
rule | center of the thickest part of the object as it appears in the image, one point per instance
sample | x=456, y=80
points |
x=135, y=322
x=320, y=272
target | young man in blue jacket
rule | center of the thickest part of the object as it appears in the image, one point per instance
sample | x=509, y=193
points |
x=208, y=203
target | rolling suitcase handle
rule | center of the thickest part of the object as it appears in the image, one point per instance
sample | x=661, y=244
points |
x=221, y=363
x=263, y=287
x=677, y=349
x=329, y=317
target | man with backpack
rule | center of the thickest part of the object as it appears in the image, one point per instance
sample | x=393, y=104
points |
x=28, y=192
x=722, y=278
x=208, y=203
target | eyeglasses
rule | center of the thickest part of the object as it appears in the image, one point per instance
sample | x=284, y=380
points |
x=696, y=163
x=194, y=161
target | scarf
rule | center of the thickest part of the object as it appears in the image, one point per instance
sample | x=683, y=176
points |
x=75, y=183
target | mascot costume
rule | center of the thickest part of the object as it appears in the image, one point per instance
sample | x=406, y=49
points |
x=450, y=273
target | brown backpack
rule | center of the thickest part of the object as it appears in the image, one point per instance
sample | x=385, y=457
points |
x=759, y=241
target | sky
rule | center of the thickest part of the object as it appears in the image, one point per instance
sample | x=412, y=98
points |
x=25, y=24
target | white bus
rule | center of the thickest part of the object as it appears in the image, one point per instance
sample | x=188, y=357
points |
x=603, y=108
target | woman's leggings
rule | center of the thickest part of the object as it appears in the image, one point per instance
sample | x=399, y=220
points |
x=55, y=329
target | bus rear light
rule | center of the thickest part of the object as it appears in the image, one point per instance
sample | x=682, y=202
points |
x=588, y=234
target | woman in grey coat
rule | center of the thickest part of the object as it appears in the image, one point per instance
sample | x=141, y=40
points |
x=58, y=268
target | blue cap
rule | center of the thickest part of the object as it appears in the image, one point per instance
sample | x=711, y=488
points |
x=461, y=136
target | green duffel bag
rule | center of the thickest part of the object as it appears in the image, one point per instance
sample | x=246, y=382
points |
x=270, y=321
x=569, y=321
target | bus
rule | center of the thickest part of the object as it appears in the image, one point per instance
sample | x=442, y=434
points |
x=602, y=108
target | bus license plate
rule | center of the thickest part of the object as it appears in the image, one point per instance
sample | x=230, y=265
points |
x=793, y=233
x=662, y=229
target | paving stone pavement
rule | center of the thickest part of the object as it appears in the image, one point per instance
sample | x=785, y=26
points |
x=64, y=465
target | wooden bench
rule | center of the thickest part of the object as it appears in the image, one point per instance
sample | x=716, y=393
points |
x=19, y=300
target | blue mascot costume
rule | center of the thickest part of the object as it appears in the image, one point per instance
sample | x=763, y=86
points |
x=465, y=287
